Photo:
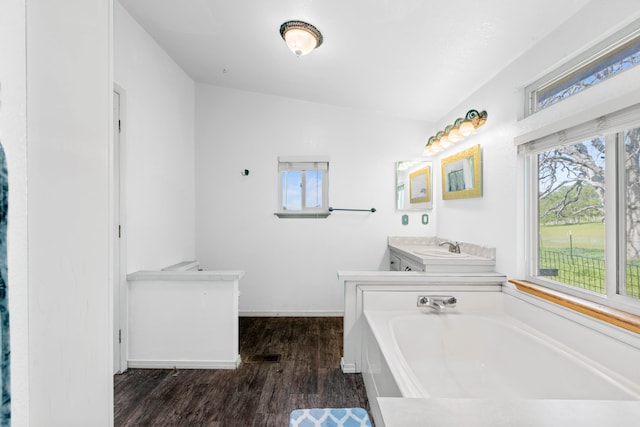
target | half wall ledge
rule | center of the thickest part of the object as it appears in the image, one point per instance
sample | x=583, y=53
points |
x=619, y=318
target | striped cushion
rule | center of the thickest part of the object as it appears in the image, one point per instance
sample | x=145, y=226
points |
x=329, y=417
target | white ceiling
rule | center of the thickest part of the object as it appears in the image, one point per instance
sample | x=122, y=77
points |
x=407, y=58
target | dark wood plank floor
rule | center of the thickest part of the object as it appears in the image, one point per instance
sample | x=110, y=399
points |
x=263, y=394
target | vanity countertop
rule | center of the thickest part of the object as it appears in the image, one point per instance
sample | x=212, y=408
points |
x=426, y=251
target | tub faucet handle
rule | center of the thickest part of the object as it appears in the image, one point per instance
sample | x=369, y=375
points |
x=450, y=301
x=422, y=300
x=437, y=302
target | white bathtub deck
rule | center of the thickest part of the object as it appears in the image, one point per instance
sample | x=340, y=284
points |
x=599, y=361
x=403, y=412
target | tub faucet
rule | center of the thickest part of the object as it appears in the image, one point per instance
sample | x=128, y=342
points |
x=438, y=303
x=453, y=247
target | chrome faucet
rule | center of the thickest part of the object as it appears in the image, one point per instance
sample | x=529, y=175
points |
x=437, y=302
x=453, y=247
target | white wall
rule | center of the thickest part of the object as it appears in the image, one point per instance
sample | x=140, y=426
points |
x=68, y=108
x=159, y=149
x=235, y=225
x=13, y=135
x=496, y=218
x=66, y=352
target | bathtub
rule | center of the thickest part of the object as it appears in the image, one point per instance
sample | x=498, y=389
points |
x=415, y=362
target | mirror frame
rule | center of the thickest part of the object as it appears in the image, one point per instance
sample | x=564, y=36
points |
x=474, y=154
x=417, y=176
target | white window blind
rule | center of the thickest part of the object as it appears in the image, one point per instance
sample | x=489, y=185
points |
x=609, y=123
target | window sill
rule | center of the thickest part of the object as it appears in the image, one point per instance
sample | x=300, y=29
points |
x=302, y=214
x=622, y=319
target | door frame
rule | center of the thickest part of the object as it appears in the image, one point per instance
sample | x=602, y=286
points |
x=119, y=235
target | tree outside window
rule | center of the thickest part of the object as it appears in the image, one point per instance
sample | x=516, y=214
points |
x=572, y=194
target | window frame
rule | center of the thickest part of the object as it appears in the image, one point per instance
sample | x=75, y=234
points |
x=610, y=127
x=301, y=163
x=587, y=59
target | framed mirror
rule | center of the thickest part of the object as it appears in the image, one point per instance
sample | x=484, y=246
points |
x=462, y=174
x=413, y=185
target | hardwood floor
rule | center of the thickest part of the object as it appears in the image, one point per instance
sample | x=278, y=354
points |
x=260, y=394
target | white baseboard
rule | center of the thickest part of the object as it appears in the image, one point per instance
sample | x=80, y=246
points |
x=250, y=313
x=347, y=368
x=183, y=364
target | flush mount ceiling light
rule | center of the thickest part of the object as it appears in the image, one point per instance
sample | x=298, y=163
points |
x=301, y=37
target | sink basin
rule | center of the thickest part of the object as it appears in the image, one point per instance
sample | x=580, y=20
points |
x=425, y=254
x=436, y=253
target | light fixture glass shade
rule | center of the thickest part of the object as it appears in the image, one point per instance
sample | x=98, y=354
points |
x=300, y=42
x=428, y=148
x=455, y=135
x=445, y=142
x=436, y=148
x=301, y=38
x=467, y=128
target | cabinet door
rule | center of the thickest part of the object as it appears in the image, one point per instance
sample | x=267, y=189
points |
x=394, y=263
x=406, y=265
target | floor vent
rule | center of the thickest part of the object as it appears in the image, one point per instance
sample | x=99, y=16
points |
x=262, y=358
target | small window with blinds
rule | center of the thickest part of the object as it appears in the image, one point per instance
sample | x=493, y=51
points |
x=303, y=187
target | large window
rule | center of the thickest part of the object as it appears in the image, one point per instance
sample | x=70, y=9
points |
x=303, y=187
x=630, y=282
x=584, y=222
x=571, y=214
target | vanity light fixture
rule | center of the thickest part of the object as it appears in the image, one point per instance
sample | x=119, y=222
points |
x=456, y=132
x=301, y=37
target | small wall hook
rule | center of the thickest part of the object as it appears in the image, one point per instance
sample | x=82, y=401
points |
x=245, y=172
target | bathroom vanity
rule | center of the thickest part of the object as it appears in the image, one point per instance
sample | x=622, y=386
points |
x=433, y=255
x=182, y=317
